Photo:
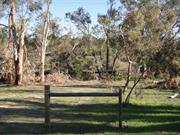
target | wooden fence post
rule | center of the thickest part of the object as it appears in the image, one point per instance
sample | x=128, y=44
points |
x=47, y=105
x=120, y=108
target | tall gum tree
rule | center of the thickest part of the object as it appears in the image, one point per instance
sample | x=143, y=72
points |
x=19, y=14
x=109, y=24
x=44, y=41
x=82, y=20
x=25, y=12
x=13, y=38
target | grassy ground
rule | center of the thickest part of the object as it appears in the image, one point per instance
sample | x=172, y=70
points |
x=152, y=112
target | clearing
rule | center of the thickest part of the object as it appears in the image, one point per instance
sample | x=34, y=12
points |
x=151, y=112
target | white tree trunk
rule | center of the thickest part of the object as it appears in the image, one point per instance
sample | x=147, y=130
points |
x=21, y=51
x=43, y=63
x=45, y=40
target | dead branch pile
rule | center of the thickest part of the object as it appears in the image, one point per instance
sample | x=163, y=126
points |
x=58, y=78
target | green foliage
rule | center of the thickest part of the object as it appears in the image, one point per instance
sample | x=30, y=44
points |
x=35, y=5
x=166, y=61
x=80, y=18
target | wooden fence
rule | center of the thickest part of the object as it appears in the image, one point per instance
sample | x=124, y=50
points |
x=48, y=94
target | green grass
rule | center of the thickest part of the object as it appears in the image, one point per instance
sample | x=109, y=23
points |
x=22, y=112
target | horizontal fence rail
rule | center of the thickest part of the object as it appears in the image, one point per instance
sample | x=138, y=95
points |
x=48, y=94
x=84, y=94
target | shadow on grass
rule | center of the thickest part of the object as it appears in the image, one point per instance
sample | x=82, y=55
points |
x=88, y=118
x=73, y=128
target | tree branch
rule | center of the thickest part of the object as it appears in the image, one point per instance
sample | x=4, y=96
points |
x=128, y=96
x=3, y=25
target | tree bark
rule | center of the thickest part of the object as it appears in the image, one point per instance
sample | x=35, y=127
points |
x=13, y=37
x=45, y=40
x=128, y=74
x=114, y=61
x=21, y=51
x=107, y=56
x=128, y=96
x=42, y=64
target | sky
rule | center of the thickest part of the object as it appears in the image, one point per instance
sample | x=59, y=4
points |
x=60, y=7
x=94, y=7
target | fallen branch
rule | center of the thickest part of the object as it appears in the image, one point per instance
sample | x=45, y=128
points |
x=175, y=95
x=3, y=25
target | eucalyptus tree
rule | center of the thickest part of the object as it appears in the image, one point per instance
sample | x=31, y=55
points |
x=82, y=20
x=165, y=61
x=12, y=36
x=19, y=12
x=44, y=41
x=149, y=28
x=109, y=23
x=25, y=13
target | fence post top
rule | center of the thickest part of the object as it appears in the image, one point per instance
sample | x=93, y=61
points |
x=47, y=87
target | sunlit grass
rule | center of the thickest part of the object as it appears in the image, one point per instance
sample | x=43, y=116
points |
x=152, y=112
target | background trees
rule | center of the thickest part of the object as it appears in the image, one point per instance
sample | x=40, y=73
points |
x=131, y=38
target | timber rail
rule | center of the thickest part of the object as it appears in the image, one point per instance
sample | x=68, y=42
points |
x=48, y=94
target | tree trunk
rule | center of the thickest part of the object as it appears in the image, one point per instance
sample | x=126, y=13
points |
x=128, y=96
x=13, y=37
x=21, y=51
x=114, y=61
x=107, y=56
x=45, y=40
x=128, y=74
x=42, y=65
x=96, y=61
x=21, y=57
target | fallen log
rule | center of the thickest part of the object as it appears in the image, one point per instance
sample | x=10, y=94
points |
x=175, y=95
